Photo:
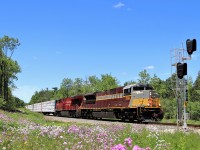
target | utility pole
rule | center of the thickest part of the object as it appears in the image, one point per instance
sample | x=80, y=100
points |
x=178, y=58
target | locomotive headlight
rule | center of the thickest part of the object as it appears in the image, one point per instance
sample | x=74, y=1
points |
x=150, y=93
x=159, y=105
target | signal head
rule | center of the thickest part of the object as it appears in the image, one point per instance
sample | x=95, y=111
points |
x=181, y=70
x=191, y=46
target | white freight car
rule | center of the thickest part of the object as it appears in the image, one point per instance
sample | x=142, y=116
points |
x=47, y=107
x=30, y=107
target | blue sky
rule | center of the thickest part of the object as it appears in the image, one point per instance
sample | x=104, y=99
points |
x=78, y=38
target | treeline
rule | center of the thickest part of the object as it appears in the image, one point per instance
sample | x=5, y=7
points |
x=8, y=71
x=165, y=88
x=70, y=87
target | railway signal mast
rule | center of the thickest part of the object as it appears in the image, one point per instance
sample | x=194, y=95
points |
x=178, y=58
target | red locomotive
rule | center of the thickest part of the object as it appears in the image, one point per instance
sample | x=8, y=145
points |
x=68, y=106
x=133, y=102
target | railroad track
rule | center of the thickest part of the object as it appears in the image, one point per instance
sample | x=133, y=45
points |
x=119, y=121
x=174, y=124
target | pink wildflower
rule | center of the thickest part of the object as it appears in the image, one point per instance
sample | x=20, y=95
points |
x=138, y=148
x=119, y=147
x=128, y=141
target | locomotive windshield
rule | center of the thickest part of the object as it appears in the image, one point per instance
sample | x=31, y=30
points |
x=140, y=87
x=136, y=87
x=127, y=91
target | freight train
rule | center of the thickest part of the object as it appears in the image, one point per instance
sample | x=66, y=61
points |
x=136, y=102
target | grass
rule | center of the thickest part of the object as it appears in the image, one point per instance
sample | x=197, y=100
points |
x=29, y=130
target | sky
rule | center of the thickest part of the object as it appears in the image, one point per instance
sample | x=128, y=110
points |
x=79, y=38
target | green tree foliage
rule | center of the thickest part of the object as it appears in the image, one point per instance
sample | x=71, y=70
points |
x=66, y=87
x=108, y=82
x=194, y=110
x=8, y=68
x=42, y=96
x=19, y=103
x=169, y=107
x=194, y=98
x=157, y=84
x=144, y=77
x=93, y=83
x=170, y=87
x=195, y=90
x=78, y=86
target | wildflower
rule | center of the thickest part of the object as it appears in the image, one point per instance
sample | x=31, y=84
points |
x=138, y=148
x=61, y=136
x=80, y=142
x=73, y=129
x=119, y=147
x=128, y=141
x=65, y=143
x=4, y=148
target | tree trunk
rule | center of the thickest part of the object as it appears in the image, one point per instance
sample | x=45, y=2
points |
x=1, y=79
x=5, y=82
x=6, y=88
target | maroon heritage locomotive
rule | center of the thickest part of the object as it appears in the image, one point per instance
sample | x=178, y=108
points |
x=133, y=102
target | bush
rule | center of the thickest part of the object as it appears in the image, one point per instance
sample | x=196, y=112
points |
x=2, y=102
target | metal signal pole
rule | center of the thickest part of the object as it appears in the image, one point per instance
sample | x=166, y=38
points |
x=178, y=88
x=177, y=59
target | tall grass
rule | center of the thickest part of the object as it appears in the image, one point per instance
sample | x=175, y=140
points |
x=27, y=130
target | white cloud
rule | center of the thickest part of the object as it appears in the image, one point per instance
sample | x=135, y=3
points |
x=25, y=92
x=149, y=67
x=119, y=5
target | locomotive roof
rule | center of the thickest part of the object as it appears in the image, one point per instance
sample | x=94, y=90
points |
x=77, y=96
x=87, y=94
x=138, y=85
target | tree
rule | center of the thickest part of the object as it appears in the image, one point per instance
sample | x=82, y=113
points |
x=78, y=86
x=144, y=77
x=107, y=82
x=195, y=90
x=42, y=96
x=8, y=67
x=194, y=110
x=94, y=83
x=169, y=107
x=65, y=88
x=159, y=85
x=19, y=103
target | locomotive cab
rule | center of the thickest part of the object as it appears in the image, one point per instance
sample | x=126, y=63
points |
x=143, y=101
x=141, y=95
